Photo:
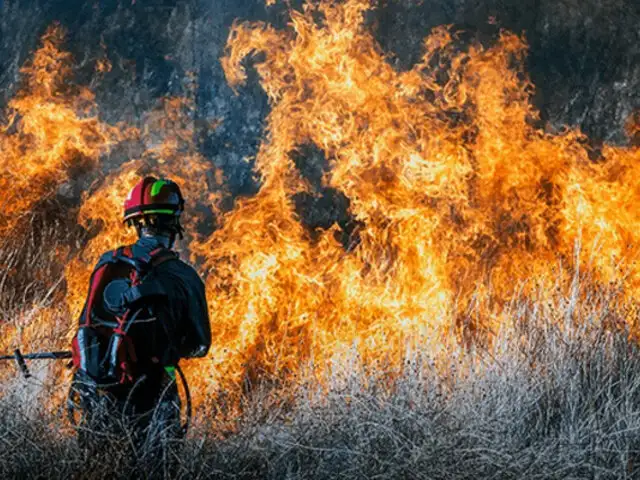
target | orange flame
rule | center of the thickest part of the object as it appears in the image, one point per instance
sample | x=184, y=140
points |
x=459, y=195
x=52, y=131
x=168, y=137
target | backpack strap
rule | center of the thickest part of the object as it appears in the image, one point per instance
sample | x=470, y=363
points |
x=144, y=261
x=113, y=264
x=97, y=282
x=143, y=264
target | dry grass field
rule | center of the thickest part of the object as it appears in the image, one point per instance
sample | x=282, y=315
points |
x=557, y=395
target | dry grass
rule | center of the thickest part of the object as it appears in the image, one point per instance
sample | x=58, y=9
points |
x=556, y=396
x=33, y=256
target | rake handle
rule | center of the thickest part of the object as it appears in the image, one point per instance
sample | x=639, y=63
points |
x=22, y=365
x=38, y=356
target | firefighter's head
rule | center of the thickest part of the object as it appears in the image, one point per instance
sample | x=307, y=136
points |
x=154, y=207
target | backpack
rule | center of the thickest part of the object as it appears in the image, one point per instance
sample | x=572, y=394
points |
x=102, y=347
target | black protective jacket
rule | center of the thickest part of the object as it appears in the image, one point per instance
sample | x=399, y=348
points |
x=174, y=323
x=176, y=295
x=165, y=299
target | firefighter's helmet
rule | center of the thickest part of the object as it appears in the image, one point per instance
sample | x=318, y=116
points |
x=152, y=196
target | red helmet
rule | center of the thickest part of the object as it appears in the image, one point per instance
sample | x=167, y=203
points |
x=153, y=196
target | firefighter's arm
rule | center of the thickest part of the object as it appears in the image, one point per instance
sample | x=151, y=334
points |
x=198, y=340
x=202, y=332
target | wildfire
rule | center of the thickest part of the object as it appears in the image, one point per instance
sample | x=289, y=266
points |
x=51, y=130
x=448, y=195
x=169, y=151
x=460, y=199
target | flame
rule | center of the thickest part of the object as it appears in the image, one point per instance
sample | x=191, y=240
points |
x=461, y=200
x=168, y=137
x=448, y=197
x=52, y=130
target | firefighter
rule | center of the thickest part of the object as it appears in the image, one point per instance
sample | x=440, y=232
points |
x=145, y=311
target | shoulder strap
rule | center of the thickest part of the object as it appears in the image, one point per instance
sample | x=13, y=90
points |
x=100, y=277
x=140, y=261
x=143, y=260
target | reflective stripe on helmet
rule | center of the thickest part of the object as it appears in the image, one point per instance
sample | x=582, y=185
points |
x=157, y=186
x=165, y=212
